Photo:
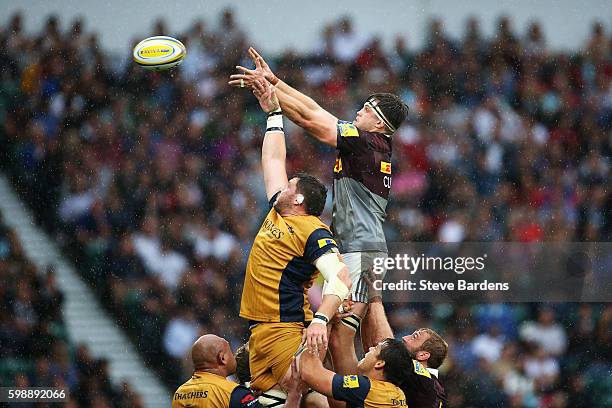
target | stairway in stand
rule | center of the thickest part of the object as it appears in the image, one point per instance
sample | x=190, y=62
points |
x=86, y=321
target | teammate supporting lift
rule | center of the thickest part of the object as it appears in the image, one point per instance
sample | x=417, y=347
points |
x=208, y=387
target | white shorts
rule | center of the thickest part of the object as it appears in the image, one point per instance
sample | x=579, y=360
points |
x=359, y=263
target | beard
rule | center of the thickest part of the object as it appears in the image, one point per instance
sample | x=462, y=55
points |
x=280, y=207
x=282, y=204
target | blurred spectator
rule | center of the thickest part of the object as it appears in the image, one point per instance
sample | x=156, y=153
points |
x=181, y=332
x=35, y=350
x=546, y=332
x=488, y=345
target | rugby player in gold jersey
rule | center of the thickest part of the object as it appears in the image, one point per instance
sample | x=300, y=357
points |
x=208, y=387
x=292, y=246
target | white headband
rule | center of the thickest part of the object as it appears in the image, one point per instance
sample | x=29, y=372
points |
x=372, y=104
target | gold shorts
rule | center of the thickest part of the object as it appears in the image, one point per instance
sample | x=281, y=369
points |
x=271, y=349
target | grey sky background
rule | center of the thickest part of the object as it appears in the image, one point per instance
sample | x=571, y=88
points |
x=275, y=25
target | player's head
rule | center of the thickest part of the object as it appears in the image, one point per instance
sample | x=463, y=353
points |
x=382, y=113
x=391, y=357
x=211, y=352
x=304, y=194
x=426, y=346
x=243, y=370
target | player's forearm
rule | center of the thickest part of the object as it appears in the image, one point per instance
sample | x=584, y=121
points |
x=307, y=114
x=285, y=89
x=293, y=399
x=273, y=148
x=329, y=305
x=315, y=375
x=294, y=109
x=380, y=327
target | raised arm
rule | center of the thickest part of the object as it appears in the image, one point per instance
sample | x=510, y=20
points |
x=299, y=108
x=352, y=389
x=273, y=151
x=314, y=374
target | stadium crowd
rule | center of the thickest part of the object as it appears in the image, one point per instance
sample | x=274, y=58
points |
x=152, y=181
x=35, y=349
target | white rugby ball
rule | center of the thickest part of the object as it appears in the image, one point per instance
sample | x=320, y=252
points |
x=159, y=53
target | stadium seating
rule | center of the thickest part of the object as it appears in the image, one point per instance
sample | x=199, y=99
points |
x=35, y=348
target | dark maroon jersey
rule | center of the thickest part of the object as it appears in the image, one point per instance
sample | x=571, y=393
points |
x=362, y=181
x=423, y=389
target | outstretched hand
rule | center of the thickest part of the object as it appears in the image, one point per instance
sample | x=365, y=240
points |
x=266, y=95
x=261, y=64
x=248, y=77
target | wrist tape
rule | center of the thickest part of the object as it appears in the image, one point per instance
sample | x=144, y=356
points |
x=320, y=318
x=275, y=121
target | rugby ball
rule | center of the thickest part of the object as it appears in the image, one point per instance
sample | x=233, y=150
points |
x=159, y=53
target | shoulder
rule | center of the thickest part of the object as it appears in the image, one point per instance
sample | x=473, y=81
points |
x=353, y=389
x=319, y=242
x=272, y=199
x=227, y=385
x=213, y=380
x=306, y=226
x=420, y=369
x=384, y=392
x=347, y=129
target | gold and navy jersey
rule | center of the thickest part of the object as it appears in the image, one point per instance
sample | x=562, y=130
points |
x=206, y=390
x=361, y=392
x=423, y=389
x=280, y=268
x=362, y=181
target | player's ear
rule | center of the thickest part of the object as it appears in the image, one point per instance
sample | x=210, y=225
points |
x=379, y=365
x=299, y=199
x=221, y=358
x=422, y=355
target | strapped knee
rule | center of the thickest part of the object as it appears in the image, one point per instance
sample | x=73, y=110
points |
x=273, y=398
x=352, y=322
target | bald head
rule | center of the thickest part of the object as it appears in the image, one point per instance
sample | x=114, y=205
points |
x=205, y=350
x=213, y=353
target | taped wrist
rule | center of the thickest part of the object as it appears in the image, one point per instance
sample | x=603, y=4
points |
x=275, y=121
x=320, y=318
x=352, y=322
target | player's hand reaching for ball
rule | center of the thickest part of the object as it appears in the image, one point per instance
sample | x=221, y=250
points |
x=261, y=65
x=248, y=77
x=266, y=95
